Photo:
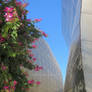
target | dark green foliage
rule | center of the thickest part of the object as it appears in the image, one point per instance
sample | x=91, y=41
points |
x=17, y=36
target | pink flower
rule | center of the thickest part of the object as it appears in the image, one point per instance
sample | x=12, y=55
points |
x=40, y=67
x=38, y=82
x=34, y=59
x=10, y=15
x=8, y=19
x=6, y=87
x=43, y=33
x=31, y=55
x=34, y=46
x=33, y=41
x=37, y=68
x=28, y=20
x=15, y=83
x=8, y=9
x=30, y=81
x=38, y=20
x=6, y=14
x=18, y=3
x=1, y=39
x=3, y=67
x=36, y=39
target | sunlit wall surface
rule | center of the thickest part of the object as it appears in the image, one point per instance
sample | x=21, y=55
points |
x=77, y=31
x=71, y=20
x=50, y=77
x=86, y=42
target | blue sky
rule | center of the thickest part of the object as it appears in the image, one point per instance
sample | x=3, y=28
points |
x=50, y=12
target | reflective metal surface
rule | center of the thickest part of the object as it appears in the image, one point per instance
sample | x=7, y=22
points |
x=86, y=42
x=75, y=72
x=50, y=77
x=79, y=71
x=71, y=20
x=75, y=78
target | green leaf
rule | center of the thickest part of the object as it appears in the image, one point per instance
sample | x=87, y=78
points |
x=12, y=54
x=5, y=32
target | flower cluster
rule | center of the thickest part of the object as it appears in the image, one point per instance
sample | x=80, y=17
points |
x=9, y=88
x=37, y=68
x=17, y=37
x=1, y=39
x=44, y=34
x=10, y=14
x=38, y=20
x=33, y=82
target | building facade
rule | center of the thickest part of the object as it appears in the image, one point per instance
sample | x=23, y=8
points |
x=77, y=30
x=50, y=77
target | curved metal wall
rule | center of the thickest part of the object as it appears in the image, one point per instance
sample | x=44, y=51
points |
x=75, y=81
x=86, y=42
x=71, y=20
x=50, y=77
x=79, y=71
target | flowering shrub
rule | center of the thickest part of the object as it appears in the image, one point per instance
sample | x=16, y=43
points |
x=17, y=35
